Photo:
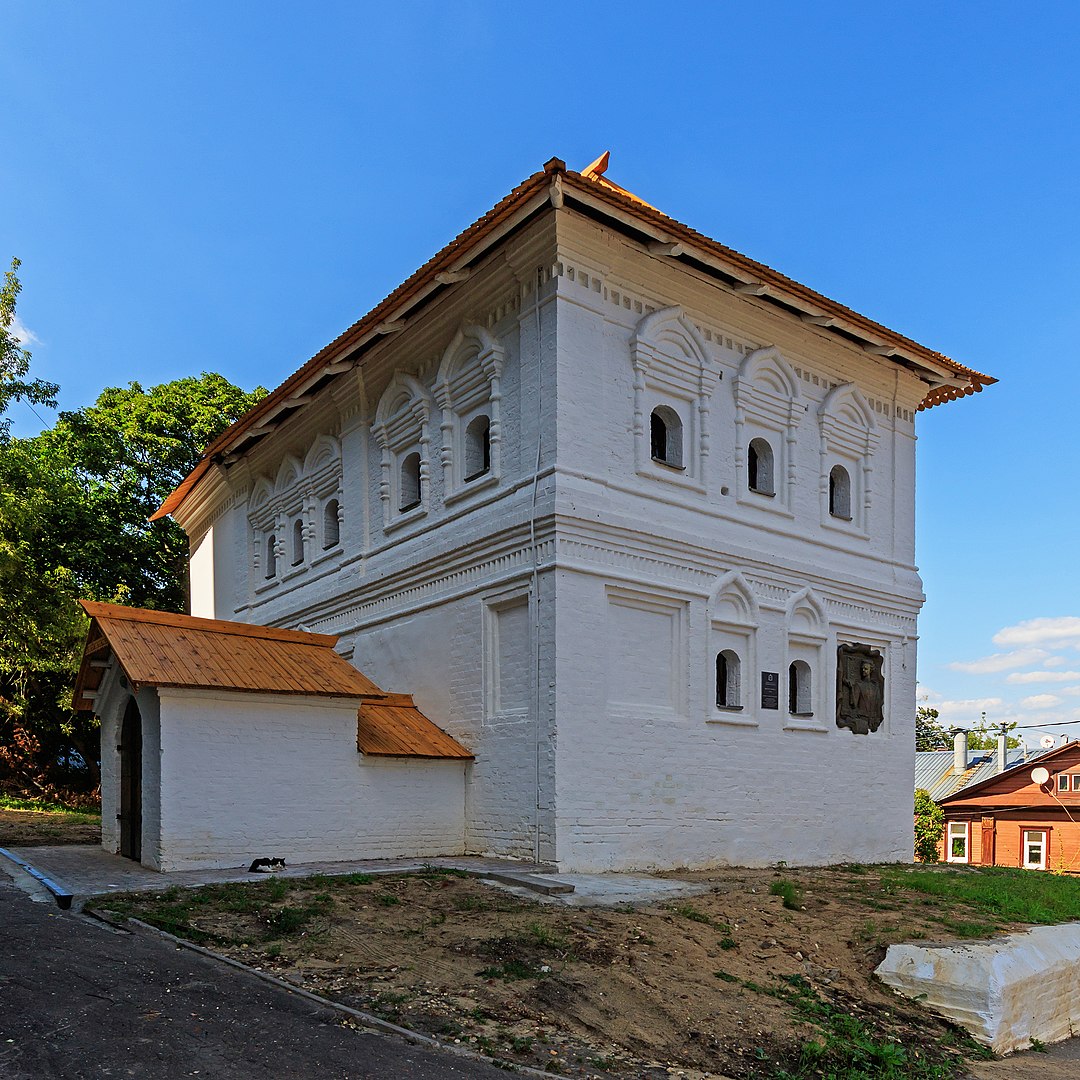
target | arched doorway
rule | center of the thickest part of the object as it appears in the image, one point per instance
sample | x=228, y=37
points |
x=131, y=783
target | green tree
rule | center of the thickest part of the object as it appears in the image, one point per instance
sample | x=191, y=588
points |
x=929, y=826
x=74, y=504
x=15, y=360
x=984, y=737
x=929, y=734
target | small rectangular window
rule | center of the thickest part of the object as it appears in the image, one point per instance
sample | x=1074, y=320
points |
x=958, y=841
x=1034, y=849
x=1063, y=781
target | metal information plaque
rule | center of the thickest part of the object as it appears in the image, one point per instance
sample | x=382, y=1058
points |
x=770, y=690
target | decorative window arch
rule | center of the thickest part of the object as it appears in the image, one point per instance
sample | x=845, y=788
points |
x=468, y=387
x=848, y=440
x=768, y=408
x=733, y=617
x=807, y=625
x=402, y=430
x=674, y=378
x=666, y=436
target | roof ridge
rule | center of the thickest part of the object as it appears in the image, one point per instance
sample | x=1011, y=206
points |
x=97, y=609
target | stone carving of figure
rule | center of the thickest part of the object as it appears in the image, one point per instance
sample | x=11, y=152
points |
x=860, y=692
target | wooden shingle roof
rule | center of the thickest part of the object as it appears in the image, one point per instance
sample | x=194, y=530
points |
x=394, y=727
x=158, y=648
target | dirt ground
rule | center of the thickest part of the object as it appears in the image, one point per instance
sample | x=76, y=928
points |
x=731, y=983
x=32, y=828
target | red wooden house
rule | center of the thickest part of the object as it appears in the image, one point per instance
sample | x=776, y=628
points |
x=1027, y=816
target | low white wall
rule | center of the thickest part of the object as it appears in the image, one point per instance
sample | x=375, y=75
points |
x=1006, y=992
x=245, y=776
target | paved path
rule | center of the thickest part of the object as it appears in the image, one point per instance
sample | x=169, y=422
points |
x=78, y=1000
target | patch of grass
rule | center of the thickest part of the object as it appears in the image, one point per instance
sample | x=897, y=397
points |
x=1003, y=894
x=725, y=976
x=357, y=879
x=728, y=943
x=789, y=891
x=45, y=806
x=288, y=920
x=512, y=970
x=538, y=934
x=688, y=911
x=387, y=899
x=430, y=871
x=849, y=1047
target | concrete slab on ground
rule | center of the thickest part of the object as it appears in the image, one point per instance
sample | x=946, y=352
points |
x=611, y=890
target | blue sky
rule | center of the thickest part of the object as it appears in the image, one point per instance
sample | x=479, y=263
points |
x=226, y=186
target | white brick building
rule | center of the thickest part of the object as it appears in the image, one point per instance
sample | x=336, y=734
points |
x=605, y=497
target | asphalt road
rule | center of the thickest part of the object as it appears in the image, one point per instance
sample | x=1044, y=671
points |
x=80, y=1000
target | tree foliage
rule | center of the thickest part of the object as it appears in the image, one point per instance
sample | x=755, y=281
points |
x=15, y=360
x=929, y=734
x=74, y=504
x=984, y=737
x=929, y=827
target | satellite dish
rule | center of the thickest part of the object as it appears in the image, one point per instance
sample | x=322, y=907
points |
x=1047, y=742
x=1039, y=776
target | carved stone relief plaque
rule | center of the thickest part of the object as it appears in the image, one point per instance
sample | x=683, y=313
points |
x=860, y=688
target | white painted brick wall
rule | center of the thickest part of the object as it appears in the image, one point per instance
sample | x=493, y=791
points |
x=246, y=776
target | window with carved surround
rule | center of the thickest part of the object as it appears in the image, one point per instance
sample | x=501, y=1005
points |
x=768, y=408
x=287, y=514
x=848, y=439
x=674, y=378
x=732, y=614
x=807, y=628
x=402, y=429
x=468, y=391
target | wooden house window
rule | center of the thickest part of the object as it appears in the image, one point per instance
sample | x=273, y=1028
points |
x=1076, y=781
x=1034, y=849
x=957, y=841
x=1063, y=782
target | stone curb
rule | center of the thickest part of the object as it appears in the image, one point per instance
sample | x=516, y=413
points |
x=60, y=894
x=367, y=1019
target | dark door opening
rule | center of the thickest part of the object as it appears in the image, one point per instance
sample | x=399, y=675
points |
x=131, y=783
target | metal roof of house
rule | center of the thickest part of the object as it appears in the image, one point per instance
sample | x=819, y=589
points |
x=394, y=726
x=592, y=193
x=934, y=769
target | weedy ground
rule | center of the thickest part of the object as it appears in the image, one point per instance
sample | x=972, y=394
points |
x=767, y=974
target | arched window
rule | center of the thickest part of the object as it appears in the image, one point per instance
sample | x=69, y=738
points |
x=409, y=489
x=477, y=447
x=727, y=680
x=800, y=701
x=271, y=555
x=759, y=467
x=840, y=493
x=331, y=532
x=665, y=434
x=297, y=542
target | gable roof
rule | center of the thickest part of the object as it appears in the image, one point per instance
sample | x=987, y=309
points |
x=393, y=726
x=592, y=193
x=934, y=769
x=158, y=648
x=1047, y=760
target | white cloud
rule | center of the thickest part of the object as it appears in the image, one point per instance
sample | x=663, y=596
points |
x=1072, y=691
x=1042, y=676
x=23, y=334
x=950, y=710
x=1041, y=701
x=1054, y=661
x=1064, y=630
x=1006, y=661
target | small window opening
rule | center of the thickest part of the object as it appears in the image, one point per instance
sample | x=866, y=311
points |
x=477, y=448
x=958, y=841
x=409, y=494
x=271, y=556
x=331, y=528
x=1063, y=781
x=727, y=680
x=297, y=542
x=759, y=467
x=800, y=702
x=665, y=437
x=840, y=493
x=1076, y=781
